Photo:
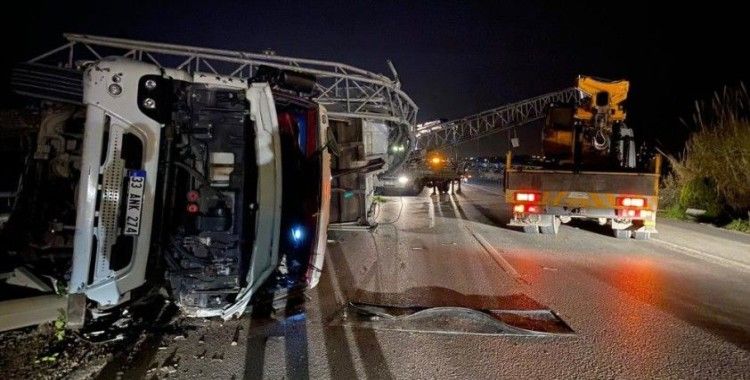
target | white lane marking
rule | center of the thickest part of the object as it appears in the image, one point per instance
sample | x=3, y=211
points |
x=703, y=255
x=499, y=259
x=431, y=213
x=456, y=214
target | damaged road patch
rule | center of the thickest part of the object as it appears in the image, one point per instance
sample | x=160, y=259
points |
x=452, y=320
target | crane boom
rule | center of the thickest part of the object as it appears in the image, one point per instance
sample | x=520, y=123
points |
x=346, y=91
x=491, y=121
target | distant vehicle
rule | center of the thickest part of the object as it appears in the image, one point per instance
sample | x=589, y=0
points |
x=432, y=169
x=589, y=169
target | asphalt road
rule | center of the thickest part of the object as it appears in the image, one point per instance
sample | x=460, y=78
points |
x=673, y=307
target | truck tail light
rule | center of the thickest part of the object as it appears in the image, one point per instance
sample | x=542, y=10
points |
x=531, y=209
x=193, y=196
x=193, y=208
x=528, y=197
x=630, y=213
x=631, y=202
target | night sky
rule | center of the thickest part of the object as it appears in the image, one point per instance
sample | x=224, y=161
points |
x=454, y=58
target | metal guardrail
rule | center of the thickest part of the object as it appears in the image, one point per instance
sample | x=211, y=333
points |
x=346, y=91
x=491, y=121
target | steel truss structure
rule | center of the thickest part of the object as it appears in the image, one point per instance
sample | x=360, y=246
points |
x=432, y=136
x=346, y=91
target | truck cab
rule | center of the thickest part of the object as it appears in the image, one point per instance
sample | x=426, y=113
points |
x=201, y=173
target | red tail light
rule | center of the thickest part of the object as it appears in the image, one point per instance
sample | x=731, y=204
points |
x=531, y=209
x=192, y=208
x=193, y=196
x=528, y=197
x=630, y=213
x=631, y=202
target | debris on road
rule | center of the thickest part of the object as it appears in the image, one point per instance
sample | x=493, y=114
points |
x=23, y=277
x=236, y=335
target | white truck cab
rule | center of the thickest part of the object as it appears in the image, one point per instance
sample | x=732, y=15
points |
x=206, y=171
x=191, y=168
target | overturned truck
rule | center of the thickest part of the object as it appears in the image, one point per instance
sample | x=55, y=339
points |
x=204, y=169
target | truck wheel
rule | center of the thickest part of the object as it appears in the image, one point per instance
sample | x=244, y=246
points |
x=415, y=189
x=532, y=229
x=622, y=234
x=419, y=189
x=552, y=229
x=444, y=186
x=642, y=235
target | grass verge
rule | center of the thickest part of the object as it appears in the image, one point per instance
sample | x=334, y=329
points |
x=740, y=225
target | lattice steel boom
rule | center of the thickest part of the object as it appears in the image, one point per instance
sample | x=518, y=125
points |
x=346, y=91
x=457, y=131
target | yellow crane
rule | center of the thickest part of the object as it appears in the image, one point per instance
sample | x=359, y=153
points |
x=590, y=168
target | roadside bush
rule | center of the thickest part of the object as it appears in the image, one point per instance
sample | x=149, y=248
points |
x=700, y=193
x=739, y=225
x=673, y=211
x=669, y=193
x=714, y=171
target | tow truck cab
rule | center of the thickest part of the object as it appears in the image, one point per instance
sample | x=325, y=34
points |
x=223, y=180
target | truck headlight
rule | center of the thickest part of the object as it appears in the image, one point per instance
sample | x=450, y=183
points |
x=403, y=179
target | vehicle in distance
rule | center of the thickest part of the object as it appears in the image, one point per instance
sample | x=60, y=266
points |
x=433, y=168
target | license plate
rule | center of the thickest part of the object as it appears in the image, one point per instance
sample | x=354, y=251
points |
x=577, y=195
x=136, y=183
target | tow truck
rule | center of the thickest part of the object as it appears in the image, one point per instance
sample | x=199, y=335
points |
x=590, y=171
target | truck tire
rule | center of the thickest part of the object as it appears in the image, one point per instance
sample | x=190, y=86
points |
x=552, y=229
x=417, y=188
x=642, y=235
x=444, y=186
x=531, y=229
x=622, y=234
